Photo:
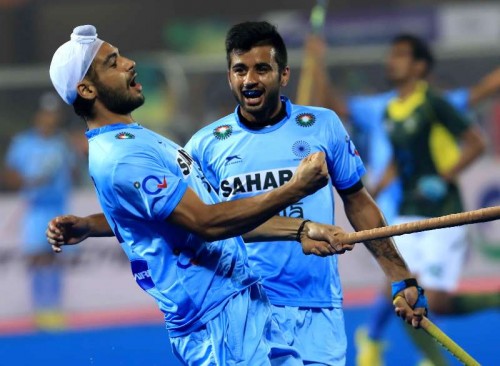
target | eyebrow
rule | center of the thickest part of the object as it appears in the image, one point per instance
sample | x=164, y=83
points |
x=259, y=64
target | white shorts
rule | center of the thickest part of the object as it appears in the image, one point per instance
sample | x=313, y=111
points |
x=436, y=257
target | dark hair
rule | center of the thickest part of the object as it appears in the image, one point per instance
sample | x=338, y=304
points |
x=85, y=107
x=420, y=49
x=244, y=36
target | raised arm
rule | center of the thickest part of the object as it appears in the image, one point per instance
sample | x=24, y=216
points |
x=485, y=88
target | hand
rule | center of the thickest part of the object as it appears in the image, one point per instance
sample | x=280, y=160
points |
x=315, y=45
x=67, y=230
x=403, y=300
x=311, y=174
x=323, y=240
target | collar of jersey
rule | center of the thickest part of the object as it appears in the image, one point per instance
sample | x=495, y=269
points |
x=272, y=128
x=400, y=109
x=113, y=127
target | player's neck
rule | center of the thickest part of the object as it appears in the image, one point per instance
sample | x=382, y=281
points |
x=406, y=88
x=106, y=117
x=258, y=122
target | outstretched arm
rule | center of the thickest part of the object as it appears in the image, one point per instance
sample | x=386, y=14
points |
x=318, y=239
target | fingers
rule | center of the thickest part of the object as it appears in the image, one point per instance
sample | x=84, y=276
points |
x=54, y=232
x=404, y=311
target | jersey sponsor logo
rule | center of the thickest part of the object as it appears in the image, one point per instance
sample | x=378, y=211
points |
x=301, y=148
x=257, y=181
x=305, y=119
x=233, y=159
x=163, y=184
x=223, y=132
x=185, y=162
x=142, y=274
x=124, y=136
x=350, y=146
x=153, y=185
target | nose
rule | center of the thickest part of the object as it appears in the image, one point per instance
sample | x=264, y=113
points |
x=129, y=64
x=250, y=78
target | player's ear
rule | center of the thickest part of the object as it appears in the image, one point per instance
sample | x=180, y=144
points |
x=229, y=79
x=86, y=89
x=285, y=76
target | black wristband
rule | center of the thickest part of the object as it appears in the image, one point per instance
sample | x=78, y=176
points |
x=410, y=282
x=300, y=229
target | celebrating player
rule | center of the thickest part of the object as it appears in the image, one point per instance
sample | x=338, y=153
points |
x=266, y=136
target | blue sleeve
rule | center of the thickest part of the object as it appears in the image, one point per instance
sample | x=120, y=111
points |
x=459, y=98
x=144, y=188
x=344, y=163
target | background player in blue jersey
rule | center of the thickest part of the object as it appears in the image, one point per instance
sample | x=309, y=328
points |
x=258, y=147
x=168, y=219
x=39, y=164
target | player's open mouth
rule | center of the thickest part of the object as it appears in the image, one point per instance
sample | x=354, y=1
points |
x=253, y=97
x=252, y=93
x=134, y=84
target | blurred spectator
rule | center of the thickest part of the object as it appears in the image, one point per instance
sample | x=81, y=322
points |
x=39, y=165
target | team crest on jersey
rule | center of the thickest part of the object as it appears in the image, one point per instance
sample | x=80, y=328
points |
x=350, y=146
x=124, y=136
x=301, y=149
x=305, y=119
x=223, y=132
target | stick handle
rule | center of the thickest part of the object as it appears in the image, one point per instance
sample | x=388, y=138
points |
x=448, y=343
x=463, y=218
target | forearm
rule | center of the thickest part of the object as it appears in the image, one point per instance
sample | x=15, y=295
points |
x=98, y=226
x=389, y=175
x=235, y=218
x=473, y=147
x=277, y=228
x=488, y=86
x=364, y=214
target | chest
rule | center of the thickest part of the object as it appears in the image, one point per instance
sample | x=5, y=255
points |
x=255, y=163
x=412, y=130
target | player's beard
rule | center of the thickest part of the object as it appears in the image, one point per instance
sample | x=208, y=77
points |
x=117, y=101
x=261, y=113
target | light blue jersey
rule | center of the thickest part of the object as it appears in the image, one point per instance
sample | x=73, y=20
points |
x=241, y=162
x=366, y=113
x=140, y=177
x=44, y=164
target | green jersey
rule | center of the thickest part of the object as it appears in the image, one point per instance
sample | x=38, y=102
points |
x=424, y=129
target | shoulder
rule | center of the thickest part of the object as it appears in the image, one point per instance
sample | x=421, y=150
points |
x=213, y=132
x=319, y=117
x=24, y=137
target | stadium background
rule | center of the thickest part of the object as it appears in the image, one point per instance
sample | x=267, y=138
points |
x=181, y=63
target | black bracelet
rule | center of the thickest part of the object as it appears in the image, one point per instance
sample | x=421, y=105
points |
x=301, y=228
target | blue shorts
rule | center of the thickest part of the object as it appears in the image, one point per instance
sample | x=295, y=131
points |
x=242, y=334
x=317, y=333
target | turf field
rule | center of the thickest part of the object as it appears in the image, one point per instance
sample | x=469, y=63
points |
x=147, y=344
